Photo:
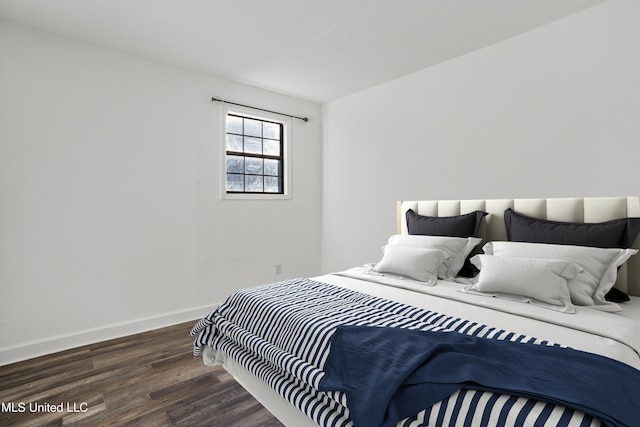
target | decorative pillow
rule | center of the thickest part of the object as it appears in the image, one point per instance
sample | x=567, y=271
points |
x=465, y=225
x=457, y=249
x=600, y=267
x=617, y=233
x=417, y=263
x=543, y=280
x=454, y=226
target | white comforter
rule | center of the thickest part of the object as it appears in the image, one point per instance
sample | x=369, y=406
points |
x=609, y=334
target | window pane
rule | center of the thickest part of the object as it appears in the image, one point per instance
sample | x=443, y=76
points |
x=271, y=184
x=254, y=166
x=253, y=183
x=271, y=130
x=253, y=145
x=254, y=155
x=235, y=164
x=271, y=167
x=271, y=147
x=235, y=182
x=252, y=127
x=234, y=124
x=234, y=143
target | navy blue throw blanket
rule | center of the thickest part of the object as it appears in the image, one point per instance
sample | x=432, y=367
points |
x=389, y=374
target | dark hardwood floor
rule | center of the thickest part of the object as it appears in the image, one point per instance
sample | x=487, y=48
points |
x=148, y=379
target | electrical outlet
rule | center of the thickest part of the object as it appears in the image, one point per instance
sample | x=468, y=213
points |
x=278, y=268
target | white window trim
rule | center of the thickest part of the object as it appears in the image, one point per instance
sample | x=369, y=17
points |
x=286, y=179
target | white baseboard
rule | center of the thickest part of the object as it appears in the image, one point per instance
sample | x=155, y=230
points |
x=55, y=344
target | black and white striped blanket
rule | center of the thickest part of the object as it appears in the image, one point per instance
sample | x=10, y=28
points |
x=281, y=333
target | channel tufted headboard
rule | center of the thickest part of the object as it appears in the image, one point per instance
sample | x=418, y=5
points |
x=591, y=209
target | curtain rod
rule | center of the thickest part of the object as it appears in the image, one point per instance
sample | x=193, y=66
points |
x=304, y=119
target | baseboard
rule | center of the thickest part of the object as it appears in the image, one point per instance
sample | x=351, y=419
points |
x=37, y=348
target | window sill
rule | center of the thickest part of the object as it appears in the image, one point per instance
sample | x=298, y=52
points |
x=248, y=196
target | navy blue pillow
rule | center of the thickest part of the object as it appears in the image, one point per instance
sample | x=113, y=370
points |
x=617, y=233
x=454, y=226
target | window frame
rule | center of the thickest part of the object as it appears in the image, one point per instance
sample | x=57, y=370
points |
x=286, y=153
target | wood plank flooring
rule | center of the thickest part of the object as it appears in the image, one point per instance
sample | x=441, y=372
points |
x=148, y=379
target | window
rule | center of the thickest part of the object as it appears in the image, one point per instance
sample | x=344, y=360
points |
x=255, y=162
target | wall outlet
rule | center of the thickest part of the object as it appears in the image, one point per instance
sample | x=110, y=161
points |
x=278, y=268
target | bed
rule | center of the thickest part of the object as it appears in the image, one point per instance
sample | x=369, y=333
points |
x=479, y=312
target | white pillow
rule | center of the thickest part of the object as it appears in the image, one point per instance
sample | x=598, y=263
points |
x=417, y=263
x=543, y=280
x=599, y=274
x=458, y=248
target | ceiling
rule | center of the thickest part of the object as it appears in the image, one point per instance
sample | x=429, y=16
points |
x=318, y=50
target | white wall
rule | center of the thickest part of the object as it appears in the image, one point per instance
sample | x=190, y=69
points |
x=110, y=215
x=551, y=113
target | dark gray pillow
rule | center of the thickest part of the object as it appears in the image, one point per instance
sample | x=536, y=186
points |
x=454, y=226
x=617, y=233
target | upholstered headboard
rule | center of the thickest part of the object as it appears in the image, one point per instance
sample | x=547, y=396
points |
x=592, y=209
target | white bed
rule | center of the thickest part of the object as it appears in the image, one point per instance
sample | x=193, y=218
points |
x=614, y=335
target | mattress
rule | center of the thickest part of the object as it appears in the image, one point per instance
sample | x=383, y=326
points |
x=613, y=335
